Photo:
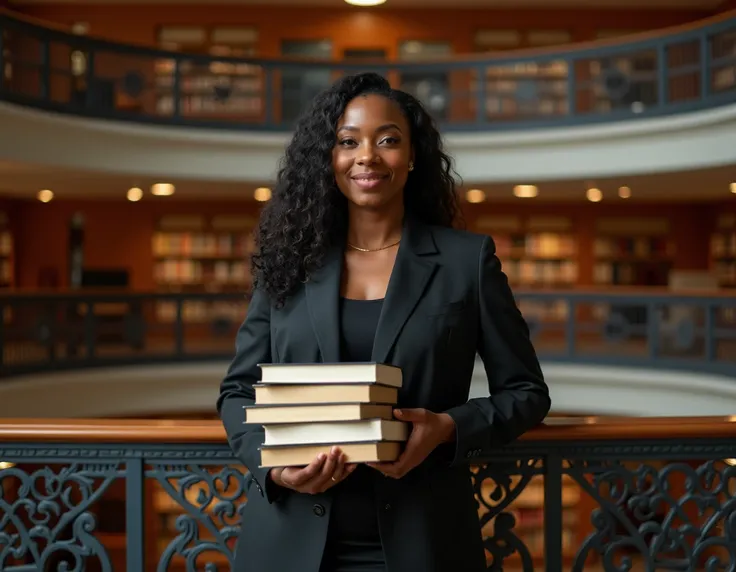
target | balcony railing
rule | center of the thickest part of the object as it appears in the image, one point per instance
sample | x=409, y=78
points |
x=647, y=328
x=673, y=71
x=584, y=494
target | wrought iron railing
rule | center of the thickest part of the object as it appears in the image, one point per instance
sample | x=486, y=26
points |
x=672, y=71
x=647, y=328
x=579, y=494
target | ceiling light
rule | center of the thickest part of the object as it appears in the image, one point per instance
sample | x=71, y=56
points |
x=134, y=195
x=526, y=191
x=594, y=195
x=45, y=196
x=475, y=196
x=624, y=192
x=262, y=194
x=162, y=189
x=732, y=186
x=365, y=2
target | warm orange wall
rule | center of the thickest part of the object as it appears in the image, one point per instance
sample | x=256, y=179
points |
x=350, y=27
x=118, y=234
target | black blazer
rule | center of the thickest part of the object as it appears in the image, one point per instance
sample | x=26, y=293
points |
x=447, y=300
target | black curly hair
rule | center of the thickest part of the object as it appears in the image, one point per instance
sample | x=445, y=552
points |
x=307, y=214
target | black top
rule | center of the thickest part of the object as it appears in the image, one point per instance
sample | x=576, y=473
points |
x=358, y=324
x=354, y=542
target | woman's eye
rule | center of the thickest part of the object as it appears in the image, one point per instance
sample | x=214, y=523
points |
x=391, y=140
x=347, y=142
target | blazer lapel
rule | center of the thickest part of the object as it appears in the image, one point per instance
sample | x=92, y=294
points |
x=409, y=279
x=323, y=294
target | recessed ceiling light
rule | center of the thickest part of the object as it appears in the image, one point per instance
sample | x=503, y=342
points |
x=526, y=191
x=624, y=192
x=365, y=2
x=732, y=186
x=134, y=195
x=262, y=194
x=475, y=196
x=162, y=189
x=594, y=195
x=45, y=196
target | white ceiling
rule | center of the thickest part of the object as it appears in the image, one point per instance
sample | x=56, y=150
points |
x=486, y=4
x=24, y=181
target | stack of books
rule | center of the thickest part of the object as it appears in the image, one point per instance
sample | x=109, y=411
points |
x=306, y=409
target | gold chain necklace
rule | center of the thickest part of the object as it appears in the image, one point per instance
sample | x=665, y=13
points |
x=373, y=249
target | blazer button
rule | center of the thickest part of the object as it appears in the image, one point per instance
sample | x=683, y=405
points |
x=318, y=509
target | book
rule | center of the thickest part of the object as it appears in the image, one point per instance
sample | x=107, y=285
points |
x=308, y=408
x=300, y=455
x=265, y=414
x=283, y=394
x=335, y=432
x=341, y=373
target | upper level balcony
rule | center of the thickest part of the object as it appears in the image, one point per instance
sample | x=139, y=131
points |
x=648, y=103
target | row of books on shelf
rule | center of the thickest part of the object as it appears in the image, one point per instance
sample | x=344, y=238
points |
x=726, y=272
x=6, y=272
x=202, y=245
x=306, y=409
x=625, y=273
x=540, y=271
x=250, y=105
x=544, y=310
x=201, y=311
x=176, y=271
x=535, y=245
x=723, y=245
x=6, y=243
x=210, y=82
x=640, y=247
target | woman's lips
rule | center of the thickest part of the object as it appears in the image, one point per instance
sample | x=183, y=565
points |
x=369, y=181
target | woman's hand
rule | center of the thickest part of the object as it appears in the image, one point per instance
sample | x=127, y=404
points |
x=428, y=431
x=321, y=474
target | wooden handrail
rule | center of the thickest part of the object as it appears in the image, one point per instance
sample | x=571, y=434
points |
x=211, y=431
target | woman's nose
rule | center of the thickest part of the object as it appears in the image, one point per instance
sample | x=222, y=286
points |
x=367, y=155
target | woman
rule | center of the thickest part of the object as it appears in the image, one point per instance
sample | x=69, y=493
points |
x=358, y=261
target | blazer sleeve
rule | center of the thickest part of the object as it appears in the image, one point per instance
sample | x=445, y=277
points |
x=252, y=347
x=519, y=397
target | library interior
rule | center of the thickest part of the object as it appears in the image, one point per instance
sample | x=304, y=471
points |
x=139, y=141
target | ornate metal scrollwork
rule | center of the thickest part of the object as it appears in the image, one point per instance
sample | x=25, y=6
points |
x=672, y=517
x=496, y=486
x=44, y=518
x=211, y=501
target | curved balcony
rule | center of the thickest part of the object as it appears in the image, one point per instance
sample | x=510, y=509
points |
x=647, y=328
x=650, y=75
x=585, y=494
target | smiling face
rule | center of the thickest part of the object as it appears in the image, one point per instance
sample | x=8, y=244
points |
x=372, y=152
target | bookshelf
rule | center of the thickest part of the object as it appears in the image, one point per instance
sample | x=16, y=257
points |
x=535, y=252
x=527, y=88
x=7, y=260
x=210, y=89
x=633, y=251
x=723, y=251
x=193, y=253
